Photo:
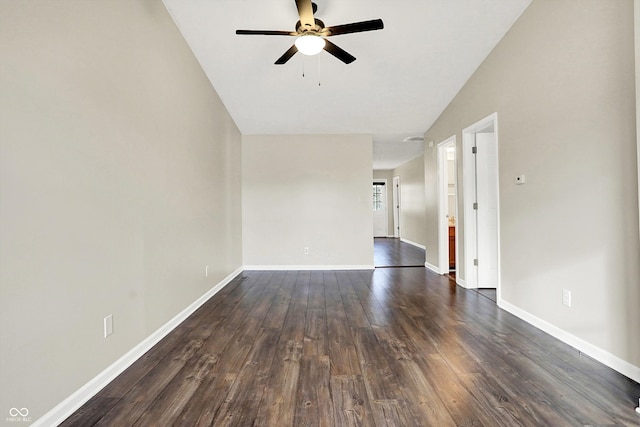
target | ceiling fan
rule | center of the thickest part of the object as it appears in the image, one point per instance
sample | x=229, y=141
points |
x=312, y=34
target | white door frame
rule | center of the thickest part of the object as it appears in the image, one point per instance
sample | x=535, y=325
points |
x=443, y=202
x=396, y=207
x=469, y=182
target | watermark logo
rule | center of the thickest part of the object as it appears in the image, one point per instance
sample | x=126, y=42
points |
x=18, y=415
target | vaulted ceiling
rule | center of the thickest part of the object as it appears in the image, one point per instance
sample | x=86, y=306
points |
x=403, y=78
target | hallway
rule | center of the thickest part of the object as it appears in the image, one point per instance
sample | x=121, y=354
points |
x=389, y=252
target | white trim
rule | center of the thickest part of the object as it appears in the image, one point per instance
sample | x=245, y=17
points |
x=602, y=356
x=468, y=197
x=468, y=178
x=432, y=268
x=443, y=202
x=418, y=245
x=72, y=403
x=461, y=282
x=396, y=206
x=307, y=267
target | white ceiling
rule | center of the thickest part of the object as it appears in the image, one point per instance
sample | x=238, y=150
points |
x=403, y=78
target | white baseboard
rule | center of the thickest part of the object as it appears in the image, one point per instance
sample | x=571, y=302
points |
x=602, y=356
x=432, y=268
x=72, y=403
x=460, y=281
x=306, y=267
x=413, y=243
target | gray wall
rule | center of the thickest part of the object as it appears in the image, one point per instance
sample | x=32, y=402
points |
x=119, y=183
x=412, y=201
x=562, y=83
x=307, y=191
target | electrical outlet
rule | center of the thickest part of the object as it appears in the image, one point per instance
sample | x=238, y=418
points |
x=566, y=297
x=108, y=325
x=306, y=250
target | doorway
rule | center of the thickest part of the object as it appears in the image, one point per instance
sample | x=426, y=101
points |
x=481, y=205
x=380, y=218
x=447, y=207
x=396, y=207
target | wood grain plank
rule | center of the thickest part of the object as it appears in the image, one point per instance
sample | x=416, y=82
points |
x=173, y=399
x=350, y=404
x=278, y=406
x=342, y=351
x=205, y=403
x=241, y=405
x=315, y=334
x=140, y=397
x=314, y=406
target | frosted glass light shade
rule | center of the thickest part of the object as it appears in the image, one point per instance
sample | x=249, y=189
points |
x=310, y=44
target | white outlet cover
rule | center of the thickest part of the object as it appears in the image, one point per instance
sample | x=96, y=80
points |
x=108, y=325
x=566, y=297
x=520, y=179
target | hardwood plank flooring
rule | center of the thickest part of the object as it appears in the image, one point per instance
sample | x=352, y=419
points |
x=389, y=252
x=388, y=347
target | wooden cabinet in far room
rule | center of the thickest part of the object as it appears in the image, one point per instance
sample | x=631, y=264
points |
x=452, y=248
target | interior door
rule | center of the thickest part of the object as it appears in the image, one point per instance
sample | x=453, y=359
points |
x=380, y=218
x=487, y=212
x=396, y=207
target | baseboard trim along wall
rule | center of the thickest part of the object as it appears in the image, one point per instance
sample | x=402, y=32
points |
x=413, y=243
x=432, y=268
x=72, y=403
x=602, y=356
x=306, y=267
x=461, y=282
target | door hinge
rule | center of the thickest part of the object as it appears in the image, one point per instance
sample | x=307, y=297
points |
x=475, y=206
x=474, y=150
x=475, y=262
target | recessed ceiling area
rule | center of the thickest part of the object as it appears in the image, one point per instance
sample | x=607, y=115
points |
x=403, y=77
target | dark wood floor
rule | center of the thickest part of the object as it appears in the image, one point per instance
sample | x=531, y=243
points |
x=489, y=293
x=389, y=347
x=388, y=252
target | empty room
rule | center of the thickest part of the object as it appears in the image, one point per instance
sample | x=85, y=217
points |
x=293, y=213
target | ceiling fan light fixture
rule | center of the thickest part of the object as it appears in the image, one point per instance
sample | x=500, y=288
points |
x=310, y=44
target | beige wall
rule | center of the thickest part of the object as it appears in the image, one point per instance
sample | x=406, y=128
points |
x=562, y=83
x=307, y=191
x=412, y=201
x=119, y=183
x=388, y=175
x=636, y=9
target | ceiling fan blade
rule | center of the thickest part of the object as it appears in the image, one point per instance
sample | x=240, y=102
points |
x=266, y=32
x=355, y=27
x=339, y=53
x=305, y=10
x=287, y=55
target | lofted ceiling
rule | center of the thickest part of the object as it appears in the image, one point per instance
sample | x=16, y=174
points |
x=403, y=78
